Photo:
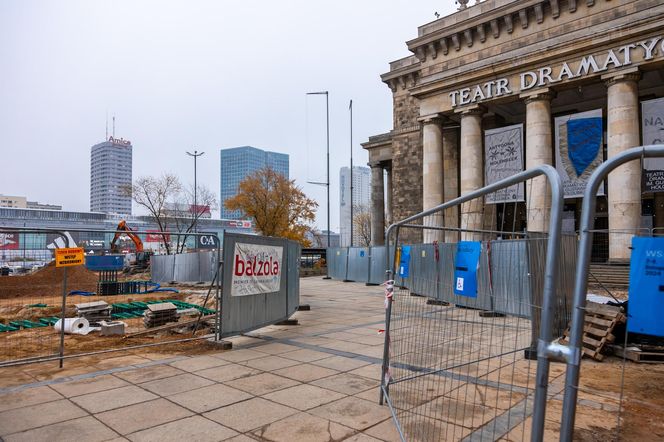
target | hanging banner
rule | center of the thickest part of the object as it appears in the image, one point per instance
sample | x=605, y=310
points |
x=646, y=286
x=466, y=264
x=256, y=269
x=9, y=241
x=579, y=150
x=503, y=157
x=653, y=133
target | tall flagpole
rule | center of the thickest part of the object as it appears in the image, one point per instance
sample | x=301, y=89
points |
x=350, y=108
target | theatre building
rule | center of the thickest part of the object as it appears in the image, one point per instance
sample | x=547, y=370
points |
x=507, y=85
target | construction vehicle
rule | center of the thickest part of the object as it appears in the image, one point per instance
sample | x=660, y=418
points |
x=134, y=262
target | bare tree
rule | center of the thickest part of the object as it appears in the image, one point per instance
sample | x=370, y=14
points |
x=362, y=224
x=171, y=206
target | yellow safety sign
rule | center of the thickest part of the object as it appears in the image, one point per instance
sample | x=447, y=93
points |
x=69, y=257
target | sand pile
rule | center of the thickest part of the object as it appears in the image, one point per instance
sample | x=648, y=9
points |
x=47, y=282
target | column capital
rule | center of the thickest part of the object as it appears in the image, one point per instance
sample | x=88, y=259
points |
x=545, y=94
x=431, y=119
x=471, y=110
x=631, y=74
x=375, y=164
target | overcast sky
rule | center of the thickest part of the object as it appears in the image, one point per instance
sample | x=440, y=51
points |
x=184, y=75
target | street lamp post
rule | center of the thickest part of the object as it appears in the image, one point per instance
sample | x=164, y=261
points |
x=350, y=107
x=196, y=154
x=327, y=182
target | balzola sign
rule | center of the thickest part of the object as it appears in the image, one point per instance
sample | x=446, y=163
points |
x=256, y=269
x=588, y=65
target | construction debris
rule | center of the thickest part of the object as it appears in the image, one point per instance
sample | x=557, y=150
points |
x=112, y=328
x=160, y=314
x=95, y=312
x=648, y=354
x=203, y=320
x=600, y=321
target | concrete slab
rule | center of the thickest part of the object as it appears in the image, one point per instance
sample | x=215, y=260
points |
x=110, y=399
x=210, y=397
x=86, y=429
x=347, y=383
x=249, y=415
x=26, y=418
x=276, y=348
x=140, y=375
x=90, y=385
x=240, y=355
x=261, y=384
x=141, y=416
x=305, y=372
x=30, y=396
x=303, y=427
x=341, y=363
x=304, y=397
x=176, y=384
x=199, y=363
x=195, y=428
x=270, y=363
x=306, y=355
x=353, y=412
x=227, y=372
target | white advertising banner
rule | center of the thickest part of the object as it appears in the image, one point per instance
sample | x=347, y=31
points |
x=503, y=157
x=653, y=133
x=579, y=150
x=256, y=269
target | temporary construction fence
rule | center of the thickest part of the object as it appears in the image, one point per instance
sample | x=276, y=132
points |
x=136, y=311
x=465, y=318
x=261, y=283
x=645, y=304
x=357, y=264
x=184, y=267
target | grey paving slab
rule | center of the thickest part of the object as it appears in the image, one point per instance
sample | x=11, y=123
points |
x=90, y=385
x=385, y=430
x=228, y=372
x=140, y=375
x=353, y=412
x=27, y=397
x=176, y=384
x=305, y=355
x=137, y=417
x=26, y=418
x=86, y=429
x=199, y=363
x=110, y=399
x=346, y=383
x=240, y=355
x=304, y=427
x=371, y=371
x=194, y=428
x=261, y=384
x=210, y=397
x=305, y=372
x=341, y=363
x=249, y=415
x=304, y=397
x=275, y=348
x=270, y=363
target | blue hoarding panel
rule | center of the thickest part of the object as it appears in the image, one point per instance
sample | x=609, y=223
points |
x=404, y=262
x=465, y=268
x=104, y=263
x=646, y=287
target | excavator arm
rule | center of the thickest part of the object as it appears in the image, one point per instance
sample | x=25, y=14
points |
x=123, y=229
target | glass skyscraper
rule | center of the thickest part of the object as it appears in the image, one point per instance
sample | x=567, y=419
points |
x=239, y=162
x=110, y=173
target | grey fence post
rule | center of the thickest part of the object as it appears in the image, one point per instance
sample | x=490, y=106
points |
x=581, y=282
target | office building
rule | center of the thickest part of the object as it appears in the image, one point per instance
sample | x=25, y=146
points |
x=21, y=202
x=360, y=204
x=239, y=162
x=110, y=175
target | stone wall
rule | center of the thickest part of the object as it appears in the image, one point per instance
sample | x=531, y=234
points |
x=407, y=178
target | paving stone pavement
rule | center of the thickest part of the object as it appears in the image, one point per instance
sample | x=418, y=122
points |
x=317, y=381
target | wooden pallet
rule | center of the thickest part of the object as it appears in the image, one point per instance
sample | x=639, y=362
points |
x=600, y=320
x=640, y=354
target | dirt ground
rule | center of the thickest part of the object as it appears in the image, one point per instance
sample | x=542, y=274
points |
x=47, y=281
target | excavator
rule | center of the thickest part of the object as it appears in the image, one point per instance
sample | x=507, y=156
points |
x=142, y=261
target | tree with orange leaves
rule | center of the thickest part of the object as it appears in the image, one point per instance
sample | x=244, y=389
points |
x=278, y=207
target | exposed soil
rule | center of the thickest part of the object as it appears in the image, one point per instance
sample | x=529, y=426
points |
x=47, y=281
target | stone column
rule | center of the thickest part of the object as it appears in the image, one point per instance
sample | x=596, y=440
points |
x=472, y=171
x=377, y=205
x=451, y=181
x=538, y=151
x=432, y=176
x=624, y=183
x=388, y=197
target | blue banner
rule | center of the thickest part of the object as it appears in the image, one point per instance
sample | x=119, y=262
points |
x=404, y=261
x=646, y=287
x=465, y=268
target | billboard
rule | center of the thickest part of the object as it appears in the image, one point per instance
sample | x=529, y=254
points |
x=653, y=133
x=256, y=269
x=579, y=150
x=9, y=241
x=503, y=157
